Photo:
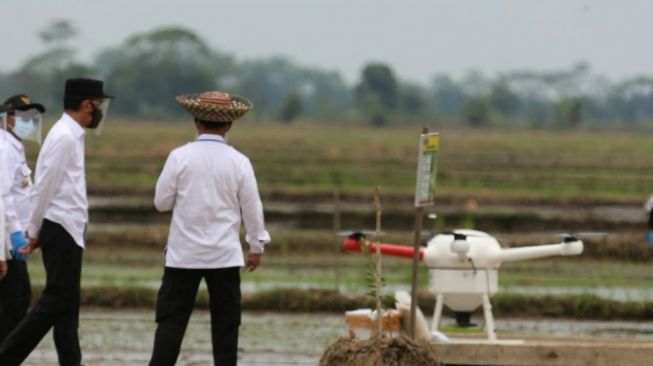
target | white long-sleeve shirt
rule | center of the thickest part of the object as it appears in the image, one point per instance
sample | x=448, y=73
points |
x=16, y=178
x=59, y=191
x=209, y=186
x=648, y=204
x=17, y=182
x=3, y=247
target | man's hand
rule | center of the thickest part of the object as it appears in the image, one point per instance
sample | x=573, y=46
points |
x=3, y=269
x=253, y=261
x=18, y=241
x=32, y=244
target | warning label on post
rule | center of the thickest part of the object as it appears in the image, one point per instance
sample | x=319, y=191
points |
x=427, y=168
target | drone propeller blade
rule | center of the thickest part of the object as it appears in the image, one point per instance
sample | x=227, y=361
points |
x=465, y=233
x=591, y=234
x=358, y=233
x=569, y=237
x=459, y=236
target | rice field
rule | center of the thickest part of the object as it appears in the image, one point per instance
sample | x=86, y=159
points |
x=487, y=164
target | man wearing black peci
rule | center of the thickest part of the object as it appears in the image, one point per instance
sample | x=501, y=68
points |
x=59, y=217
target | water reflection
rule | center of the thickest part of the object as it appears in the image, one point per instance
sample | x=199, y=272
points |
x=125, y=337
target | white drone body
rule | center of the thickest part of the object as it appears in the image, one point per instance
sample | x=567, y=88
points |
x=464, y=268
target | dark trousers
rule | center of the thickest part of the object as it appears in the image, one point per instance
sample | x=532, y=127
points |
x=15, y=296
x=58, y=306
x=174, y=306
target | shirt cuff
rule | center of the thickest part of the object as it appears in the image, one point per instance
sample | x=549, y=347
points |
x=257, y=244
x=256, y=250
x=14, y=227
x=33, y=231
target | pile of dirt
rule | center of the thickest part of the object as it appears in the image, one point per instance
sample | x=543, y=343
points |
x=379, y=352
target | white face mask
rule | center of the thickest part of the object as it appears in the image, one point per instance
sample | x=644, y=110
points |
x=24, y=128
x=27, y=125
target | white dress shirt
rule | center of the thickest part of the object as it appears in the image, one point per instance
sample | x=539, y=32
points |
x=208, y=185
x=648, y=205
x=3, y=247
x=59, y=191
x=17, y=180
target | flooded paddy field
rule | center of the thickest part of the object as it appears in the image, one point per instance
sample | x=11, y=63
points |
x=130, y=267
x=125, y=337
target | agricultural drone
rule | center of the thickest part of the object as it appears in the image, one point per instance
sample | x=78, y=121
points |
x=463, y=267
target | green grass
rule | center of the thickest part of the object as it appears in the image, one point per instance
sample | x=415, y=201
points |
x=508, y=164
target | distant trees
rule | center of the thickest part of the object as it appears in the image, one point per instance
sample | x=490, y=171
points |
x=381, y=98
x=42, y=75
x=448, y=95
x=292, y=108
x=270, y=82
x=569, y=113
x=377, y=93
x=149, y=69
x=476, y=111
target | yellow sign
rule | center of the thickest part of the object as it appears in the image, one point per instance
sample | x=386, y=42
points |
x=431, y=143
x=427, y=169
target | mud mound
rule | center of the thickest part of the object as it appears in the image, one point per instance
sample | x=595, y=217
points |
x=378, y=352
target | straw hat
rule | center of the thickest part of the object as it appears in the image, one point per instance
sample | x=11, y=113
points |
x=215, y=106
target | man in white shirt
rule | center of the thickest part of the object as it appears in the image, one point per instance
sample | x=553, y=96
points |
x=209, y=186
x=23, y=123
x=3, y=249
x=648, y=207
x=57, y=225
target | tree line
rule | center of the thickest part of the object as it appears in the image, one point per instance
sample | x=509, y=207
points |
x=149, y=69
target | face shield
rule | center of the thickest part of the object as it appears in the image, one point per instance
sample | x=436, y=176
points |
x=27, y=125
x=100, y=116
x=3, y=125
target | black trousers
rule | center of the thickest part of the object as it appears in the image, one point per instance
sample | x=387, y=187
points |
x=15, y=296
x=175, y=304
x=58, y=306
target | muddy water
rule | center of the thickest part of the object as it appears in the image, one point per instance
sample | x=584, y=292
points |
x=125, y=337
x=318, y=214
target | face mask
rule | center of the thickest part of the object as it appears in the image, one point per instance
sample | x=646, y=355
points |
x=24, y=128
x=96, y=117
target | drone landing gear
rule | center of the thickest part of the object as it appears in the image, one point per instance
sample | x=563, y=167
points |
x=489, y=319
x=463, y=319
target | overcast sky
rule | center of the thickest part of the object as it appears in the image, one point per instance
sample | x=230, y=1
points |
x=418, y=38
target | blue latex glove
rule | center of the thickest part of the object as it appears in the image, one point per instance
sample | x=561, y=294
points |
x=18, y=241
x=650, y=237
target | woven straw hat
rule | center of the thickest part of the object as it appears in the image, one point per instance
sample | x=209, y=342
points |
x=215, y=106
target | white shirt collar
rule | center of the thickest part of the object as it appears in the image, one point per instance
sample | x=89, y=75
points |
x=210, y=136
x=76, y=129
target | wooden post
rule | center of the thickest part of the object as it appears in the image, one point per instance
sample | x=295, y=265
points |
x=419, y=215
x=336, y=228
x=377, y=274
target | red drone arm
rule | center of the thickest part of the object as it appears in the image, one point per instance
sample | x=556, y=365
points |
x=353, y=245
